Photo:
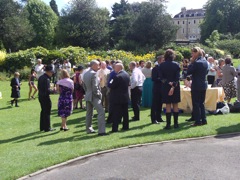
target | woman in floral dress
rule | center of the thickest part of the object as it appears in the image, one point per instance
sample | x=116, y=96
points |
x=65, y=87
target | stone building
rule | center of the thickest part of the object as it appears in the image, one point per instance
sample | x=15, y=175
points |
x=188, y=22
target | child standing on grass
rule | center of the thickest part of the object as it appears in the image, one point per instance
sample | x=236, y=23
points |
x=15, y=84
x=32, y=85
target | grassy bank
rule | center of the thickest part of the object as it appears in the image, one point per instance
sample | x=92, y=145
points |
x=23, y=149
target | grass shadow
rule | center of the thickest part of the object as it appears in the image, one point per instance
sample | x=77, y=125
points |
x=78, y=121
x=182, y=127
x=228, y=129
x=46, y=134
x=5, y=108
x=19, y=137
x=69, y=139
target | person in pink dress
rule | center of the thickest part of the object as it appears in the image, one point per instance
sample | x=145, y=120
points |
x=78, y=88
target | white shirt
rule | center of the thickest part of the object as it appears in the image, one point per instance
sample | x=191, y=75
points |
x=39, y=70
x=211, y=66
x=137, y=78
x=67, y=66
x=102, y=75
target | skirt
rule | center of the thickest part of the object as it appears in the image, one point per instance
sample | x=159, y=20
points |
x=230, y=90
x=147, y=93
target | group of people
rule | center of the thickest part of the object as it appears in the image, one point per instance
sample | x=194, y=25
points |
x=107, y=87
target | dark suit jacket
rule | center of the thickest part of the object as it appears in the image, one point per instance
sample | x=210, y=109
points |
x=156, y=79
x=119, y=88
x=198, y=70
x=15, y=83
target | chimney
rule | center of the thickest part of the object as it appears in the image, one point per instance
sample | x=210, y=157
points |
x=183, y=10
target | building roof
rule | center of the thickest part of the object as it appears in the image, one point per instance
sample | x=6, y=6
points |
x=190, y=13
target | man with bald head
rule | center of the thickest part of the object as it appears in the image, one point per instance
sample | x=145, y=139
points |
x=93, y=97
x=119, y=97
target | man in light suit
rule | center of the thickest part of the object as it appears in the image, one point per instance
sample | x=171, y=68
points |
x=93, y=98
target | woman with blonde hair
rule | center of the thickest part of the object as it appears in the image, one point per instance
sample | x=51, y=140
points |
x=15, y=84
x=147, y=85
x=65, y=87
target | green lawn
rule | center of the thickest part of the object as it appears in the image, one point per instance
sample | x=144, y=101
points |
x=24, y=150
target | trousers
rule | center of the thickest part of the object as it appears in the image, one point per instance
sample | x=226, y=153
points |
x=46, y=106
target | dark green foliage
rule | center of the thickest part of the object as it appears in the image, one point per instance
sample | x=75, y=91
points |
x=221, y=15
x=44, y=21
x=141, y=27
x=84, y=24
x=54, y=7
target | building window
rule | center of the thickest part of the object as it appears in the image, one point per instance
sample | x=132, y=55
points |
x=183, y=22
x=178, y=22
x=183, y=30
x=189, y=22
x=194, y=21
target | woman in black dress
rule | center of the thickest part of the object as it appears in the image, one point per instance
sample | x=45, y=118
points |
x=15, y=84
x=169, y=73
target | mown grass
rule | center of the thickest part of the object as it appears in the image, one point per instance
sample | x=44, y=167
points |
x=23, y=149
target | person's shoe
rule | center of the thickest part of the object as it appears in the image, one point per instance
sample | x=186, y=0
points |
x=12, y=101
x=135, y=119
x=161, y=120
x=204, y=123
x=16, y=105
x=176, y=126
x=155, y=122
x=189, y=120
x=167, y=128
x=114, y=131
x=51, y=129
x=91, y=130
x=32, y=97
x=195, y=124
x=103, y=134
x=61, y=129
x=66, y=129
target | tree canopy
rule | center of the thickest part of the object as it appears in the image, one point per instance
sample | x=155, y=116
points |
x=221, y=15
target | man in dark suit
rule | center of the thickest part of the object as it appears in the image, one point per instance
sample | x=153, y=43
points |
x=44, y=91
x=199, y=70
x=156, y=108
x=119, y=97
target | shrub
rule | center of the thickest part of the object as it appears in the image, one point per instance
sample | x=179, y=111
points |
x=18, y=60
x=76, y=55
x=53, y=55
x=24, y=73
x=3, y=55
x=179, y=57
x=233, y=46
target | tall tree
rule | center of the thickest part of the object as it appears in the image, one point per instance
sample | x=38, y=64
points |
x=84, y=24
x=123, y=17
x=221, y=15
x=54, y=6
x=8, y=8
x=145, y=26
x=44, y=21
x=18, y=31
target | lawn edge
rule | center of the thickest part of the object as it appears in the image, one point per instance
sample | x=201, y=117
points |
x=227, y=135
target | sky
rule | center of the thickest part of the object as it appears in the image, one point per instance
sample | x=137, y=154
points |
x=174, y=6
